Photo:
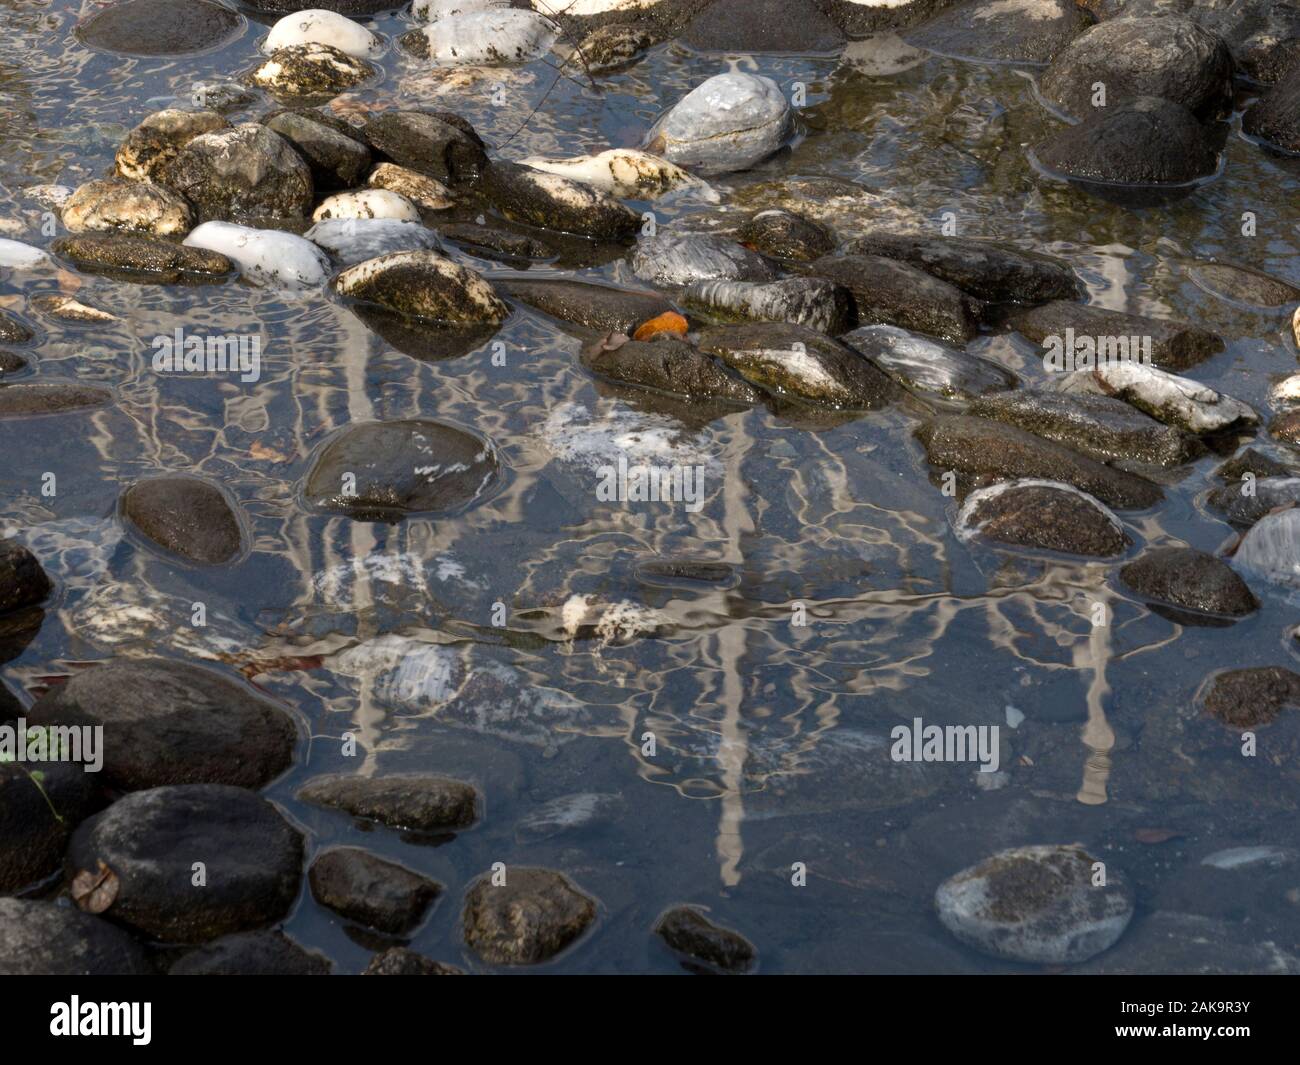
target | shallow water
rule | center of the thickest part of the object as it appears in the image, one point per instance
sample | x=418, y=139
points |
x=771, y=736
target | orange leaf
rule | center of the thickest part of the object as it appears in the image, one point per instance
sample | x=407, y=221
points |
x=259, y=450
x=1155, y=835
x=95, y=892
x=668, y=322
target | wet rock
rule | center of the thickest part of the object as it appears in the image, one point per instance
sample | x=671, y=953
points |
x=367, y=889
x=986, y=449
x=186, y=516
x=424, y=192
x=1249, y=698
x=366, y=203
x=1286, y=427
x=1101, y=427
x=264, y=256
x=67, y=309
x=668, y=364
x=423, y=284
x=354, y=240
x=1169, y=57
x=1190, y=580
x=11, y=363
x=857, y=18
x=1166, y=397
x=791, y=27
x=569, y=813
x=889, y=292
x=1172, y=345
x=15, y=255
x=530, y=918
x=1036, y=904
x=42, y=397
x=400, y=961
x=926, y=366
x=251, y=954
x=623, y=172
x=13, y=331
x=22, y=580
x=1271, y=548
x=247, y=171
x=599, y=307
x=151, y=147
x=32, y=837
x=1044, y=515
x=1275, y=116
x=673, y=259
x=337, y=160
x=982, y=268
x=252, y=860
x=503, y=245
x=49, y=939
x=705, y=944
x=612, y=47
x=350, y=8
x=429, y=145
x=662, y=18
x=1141, y=142
x=793, y=361
x=310, y=71
x=143, y=259
x=1245, y=502
x=882, y=55
x=315, y=26
x=489, y=38
x=549, y=201
x=1022, y=31
x=418, y=802
x=731, y=122
x=160, y=27
x=115, y=205
x=170, y=722
x=786, y=235
x=1253, y=462
x=809, y=301
x=1237, y=284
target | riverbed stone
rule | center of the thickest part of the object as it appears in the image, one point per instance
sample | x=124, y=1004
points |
x=171, y=722
x=50, y=397
x=149, y=149
x=336, y=159
x=1044, y=515
x=672, y=259
x=1021, y=31
x=160, y=27
x=310, y=71
x=1275, y=116
x=430, y=145
x=783, y=234
x=490, y=37
x=1248, y=698
x=370, y=890
x=187, y=516
x=704, y=944
x=261, y=953
x=151, y=839
x=731, y=122
x=40, y=938
x=13, y=330
x=928, y=367
x=402, y=961
x=599, y=307
x=788, y=27
x=530, y=918
x=1189, y=580
x=424, y=284
x=248, y=171
x=1175, y=345
x=426, y=193
x=669, y=364
x=1245, y=502
x=23, y=581
x=1166, y=397
x=419, y=802
x=143, y=259
x=115, y=205
x=1271, y=549
x=809, y=301
x=549, y=201
x=1240, y=284
x=890, y=292
x=317, y=26
x=40, y=805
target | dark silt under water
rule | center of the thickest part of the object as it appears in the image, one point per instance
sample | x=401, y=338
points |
x=772, y=737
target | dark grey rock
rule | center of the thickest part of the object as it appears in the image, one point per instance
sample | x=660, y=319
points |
x=550, y=201
x=1045, y=516
x=337, y=159
x=809, y=301
x=926, y=366
x=1239, y=284
x=22, y=579
x=785, y=235
x=791, y=27
x=995, y=31
x=160, y=27
x=416, y=801
x=1245, y=502
x=674, y=259
x=401, y=961
x=48, y=939
x=50, y=397
x=40, y=805
x=687, y=931
x=247, y=172
x=1189, y=580
x=1249, y=698
x=430, y=145
x=599, y=307
x=668, y=364
x=187, y=516
x=367, y=889
x=890, y=292
x=251, y=954
x=530, y=918
x=1175, y=346
x=13, y=330
x=143, y=259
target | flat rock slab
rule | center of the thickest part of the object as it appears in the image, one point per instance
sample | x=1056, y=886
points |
x=143, y=259
x=160, y=27
x=416, y=801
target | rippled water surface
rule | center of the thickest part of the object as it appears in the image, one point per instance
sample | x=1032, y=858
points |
x=771, y=736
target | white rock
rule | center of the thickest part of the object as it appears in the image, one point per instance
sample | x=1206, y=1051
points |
x=1286, y=392
x=424, y=284
x=265, y=256
x=626, y=173
x=431, y=10
x=1271, y=548
x=19, y=256
x=367, y=203
x=354, y=240
x=314, y=26
x=485, y=38
x=50, y=196
x=1164, y=396
x=730, y=122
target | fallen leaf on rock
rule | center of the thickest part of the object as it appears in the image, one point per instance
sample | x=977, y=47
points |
x=95, y=892
x=668, y=322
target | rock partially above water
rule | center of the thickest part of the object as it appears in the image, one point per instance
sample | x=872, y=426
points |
x=116, y=205
x=674, y=259
x=1249, y=698
x=623, y=172
x=160, y=27
x=731, y=122
x=310, y=71
x=1044, y=515
x=251, y=954
x=668, y=364
x=1164, y=396
x=143, y=259
x=264, y=256
x=365, y=888
x=705, y=944
x=37, y=814
x=416, y=801
x=22, y=579
x=400, y=961
x=786, y=235
x=366, y=204
x=50, y=939
x=1173, y=345
x=428, y=144
x=424, y=192
x=550, y=201
x=1188, y=579
x=354, y=240
x=530, y=918
x=1037, y=904
x=1245, y=502
x=923, y=365
x=251, y=857
x=170, y=722
x=1271, y=548
x=384, y=471
x=809, y=301
x=490, y=38
x=788, y=27
x=1022, y=31
x=423, y=284
x=48, y=397
x=337, y=158
x=13, y=331
x=1275, y=116
x=245, y=172
x=315, y=26
x=187, y=516
x=890, y=292
x=150, y=148
x=599, y=307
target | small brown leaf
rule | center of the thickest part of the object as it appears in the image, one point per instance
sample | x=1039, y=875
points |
x=668, y=322
x=95, y=892
x=263, y=453
x=1155, y=835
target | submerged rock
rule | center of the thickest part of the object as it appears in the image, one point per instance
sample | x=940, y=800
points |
x=423, y=284
x=530, y=918
x=502, y=245
x=187, y=516
x=790, y=360
x=1037, y=904
x=115, y=205
x=247, y=171
x=1164, y=396
x=384, y=471
x=67, y=309
x=354, y=240
x=251, y=954
x=428, y=144
x=731, y=122
x=889, y=292
x=1169, y=57
x=264, y=256
x=986, y=449
x=22, y=579
x=1003, y=31
x=365, y=888
x=49, y=939
x=419, y=802
x=1190, y=580
x=923, y=365
x=857, y=18
x=251, y=858
x=424, y=192
x=790, y=27
x=809, y=301
x=486, y=38
x=143, y=258
x=1249, y=698
x=687, y=931
x=1238, y=284
x=986, y=270
x=1102, y=427
x=1245, y=502
x=160, y=27
x=1168, y=344
x=569, y=813
x=1271, y=548
x=668, y=364
x=786, y=235
x=151, y=147
x=15, y=255
x=12, y=330
x=673, y=259
x=599, y=307
x=1044, y=515
x=366, y=203
x=48, y=397
x=623, y=172
x=549, y=201
x=315, y=26
x=338, y=158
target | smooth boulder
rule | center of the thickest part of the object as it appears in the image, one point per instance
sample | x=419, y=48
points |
x=264, y=256
x=731, y=122
x=1044, y=516
x=186, y=516
x=423, y=284
x=891, y=292
x=248, y=171
x=362, y=887
x=1189, y=580
x=928, y=367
